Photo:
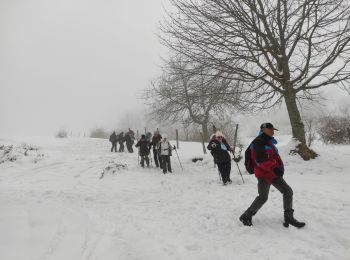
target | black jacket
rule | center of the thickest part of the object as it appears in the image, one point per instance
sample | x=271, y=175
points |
x=145, y=146
x=121, y=138
x=259, y=144
x=220, y=155
x=155, y=141
x=113, y=138
x=128, y=139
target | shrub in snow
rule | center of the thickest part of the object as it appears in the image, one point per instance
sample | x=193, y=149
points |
x=196, y=159
x=62, y=134
x=99, y=133
x=112, y=168
x=310, y=131
x=24, y=152
x=335, y=129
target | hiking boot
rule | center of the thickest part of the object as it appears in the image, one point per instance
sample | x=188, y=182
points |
x=290, y=220
x=246, y=219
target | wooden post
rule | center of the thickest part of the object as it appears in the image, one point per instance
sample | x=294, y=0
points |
x=235, y=140
x=177, y=139
x=204, y=150
x=145, y=130
x=137, y=134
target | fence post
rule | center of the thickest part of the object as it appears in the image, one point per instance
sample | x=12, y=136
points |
x=177, y=139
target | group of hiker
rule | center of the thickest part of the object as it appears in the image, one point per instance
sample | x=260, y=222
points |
x=160, y=146
x=128, y=138
x=261, y=158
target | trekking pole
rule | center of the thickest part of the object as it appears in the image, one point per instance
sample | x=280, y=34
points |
x=138, y=156
x=233, y=152
x=239, y=169
x=178, y=157
x=150, y=156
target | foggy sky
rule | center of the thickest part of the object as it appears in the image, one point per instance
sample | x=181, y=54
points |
x=74, y=63
x=80, y=64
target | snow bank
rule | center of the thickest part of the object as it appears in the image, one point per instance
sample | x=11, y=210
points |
x=21, y=153
x=59, y=208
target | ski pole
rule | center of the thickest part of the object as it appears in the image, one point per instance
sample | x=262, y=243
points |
x=178, y=157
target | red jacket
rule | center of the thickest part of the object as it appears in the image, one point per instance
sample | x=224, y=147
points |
x=268, y=164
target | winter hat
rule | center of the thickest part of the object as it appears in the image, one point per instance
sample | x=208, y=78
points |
x=268, y=125
x=218, y=133
x=143, y=136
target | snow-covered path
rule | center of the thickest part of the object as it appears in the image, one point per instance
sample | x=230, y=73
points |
x=58, y=208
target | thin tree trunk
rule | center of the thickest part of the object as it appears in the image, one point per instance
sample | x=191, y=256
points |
x=205, y=130
x=298, y=129
x=203, y=143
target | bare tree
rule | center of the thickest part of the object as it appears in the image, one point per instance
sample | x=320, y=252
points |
x=280, y=49
x=184, y=94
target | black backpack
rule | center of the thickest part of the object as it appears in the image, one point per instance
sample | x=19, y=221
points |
x=248, y=160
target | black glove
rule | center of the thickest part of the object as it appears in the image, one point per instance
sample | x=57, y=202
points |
x=278, y=171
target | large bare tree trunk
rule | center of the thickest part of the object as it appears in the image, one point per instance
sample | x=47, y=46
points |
x=298, y=128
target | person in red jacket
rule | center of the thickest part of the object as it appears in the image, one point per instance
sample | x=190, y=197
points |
x=269, y=170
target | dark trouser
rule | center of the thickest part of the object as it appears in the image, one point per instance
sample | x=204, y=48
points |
x=225, y=171
x=166, y=165
x=114, y=147
x=143, y=159
x=121, y=147
x=157, y=158
x=129, y=146
x=264, y=188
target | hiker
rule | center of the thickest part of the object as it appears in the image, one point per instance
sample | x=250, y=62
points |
x=165, y=153
x=113, y=140
x=149, y=136
x=132, y=134
x=268, y=169
x=220, y=150
x=155, y=145
x=121, y=141
x=145, y=147
x=129, y=140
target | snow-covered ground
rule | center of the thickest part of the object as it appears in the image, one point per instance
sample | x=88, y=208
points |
x=57, y=207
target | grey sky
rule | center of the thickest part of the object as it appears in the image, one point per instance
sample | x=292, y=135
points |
x=81, y=63
x=74, y=63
